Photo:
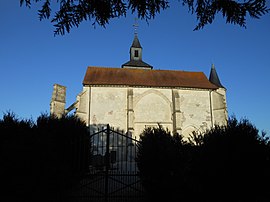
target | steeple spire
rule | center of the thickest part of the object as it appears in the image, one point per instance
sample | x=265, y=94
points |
x=135, y=53
x=136, y=43
x=213, y=77
x=136, y=25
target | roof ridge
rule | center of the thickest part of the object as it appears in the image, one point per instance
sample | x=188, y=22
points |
x=127, y=69
x=104, y=67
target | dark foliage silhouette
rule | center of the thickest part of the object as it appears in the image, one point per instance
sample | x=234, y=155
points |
x=18, y=149
x=233, y=162
x=73, y=12
x=226, y=163
x=40, y=161
x=162, y=162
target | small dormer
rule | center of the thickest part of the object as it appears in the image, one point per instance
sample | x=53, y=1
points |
x=136, y=56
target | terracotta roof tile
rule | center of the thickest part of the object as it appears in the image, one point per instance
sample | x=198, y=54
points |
x=142, y=77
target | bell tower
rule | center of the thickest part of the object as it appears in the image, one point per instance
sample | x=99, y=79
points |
x=135, y=53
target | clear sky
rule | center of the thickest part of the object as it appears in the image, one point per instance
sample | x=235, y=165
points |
x=32, y=59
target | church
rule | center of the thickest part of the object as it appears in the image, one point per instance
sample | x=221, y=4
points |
x=136, y=95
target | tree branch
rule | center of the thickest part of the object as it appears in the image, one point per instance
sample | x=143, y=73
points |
x=72, y=12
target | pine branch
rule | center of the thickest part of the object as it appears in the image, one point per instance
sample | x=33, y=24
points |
x=72, y=12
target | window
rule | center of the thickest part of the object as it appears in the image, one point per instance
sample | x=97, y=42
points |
x=136, y=53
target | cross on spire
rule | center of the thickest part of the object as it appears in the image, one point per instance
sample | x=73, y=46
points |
x=136, y=25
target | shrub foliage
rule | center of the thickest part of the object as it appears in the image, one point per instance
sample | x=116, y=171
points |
x=229, y=162
x=162, y=163
x=41, y=160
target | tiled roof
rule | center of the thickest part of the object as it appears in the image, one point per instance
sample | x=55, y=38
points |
x=137, y=63
x=149, y=78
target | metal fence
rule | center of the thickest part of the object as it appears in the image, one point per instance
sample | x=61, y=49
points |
x=113, y=174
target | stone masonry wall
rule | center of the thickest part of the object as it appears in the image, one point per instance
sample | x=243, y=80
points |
x=133, y=109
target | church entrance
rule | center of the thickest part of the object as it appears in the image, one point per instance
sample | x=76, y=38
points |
x=113, y=172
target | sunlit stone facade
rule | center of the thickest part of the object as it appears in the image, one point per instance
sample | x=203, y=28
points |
x=136, y=96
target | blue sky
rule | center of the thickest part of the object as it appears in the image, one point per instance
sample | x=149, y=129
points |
x=32, y=59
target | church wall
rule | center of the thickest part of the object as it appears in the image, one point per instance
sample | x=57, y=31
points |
x=219, y=107
x=152, y=106
x=109, y=106
x=134, y=108
x=58, y=101
x=82, y=106
x=57, y=108
x=195, y=110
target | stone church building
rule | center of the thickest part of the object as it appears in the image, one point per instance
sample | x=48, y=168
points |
x=137, y=96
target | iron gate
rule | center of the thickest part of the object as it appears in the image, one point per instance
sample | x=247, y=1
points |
x=113, y=174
